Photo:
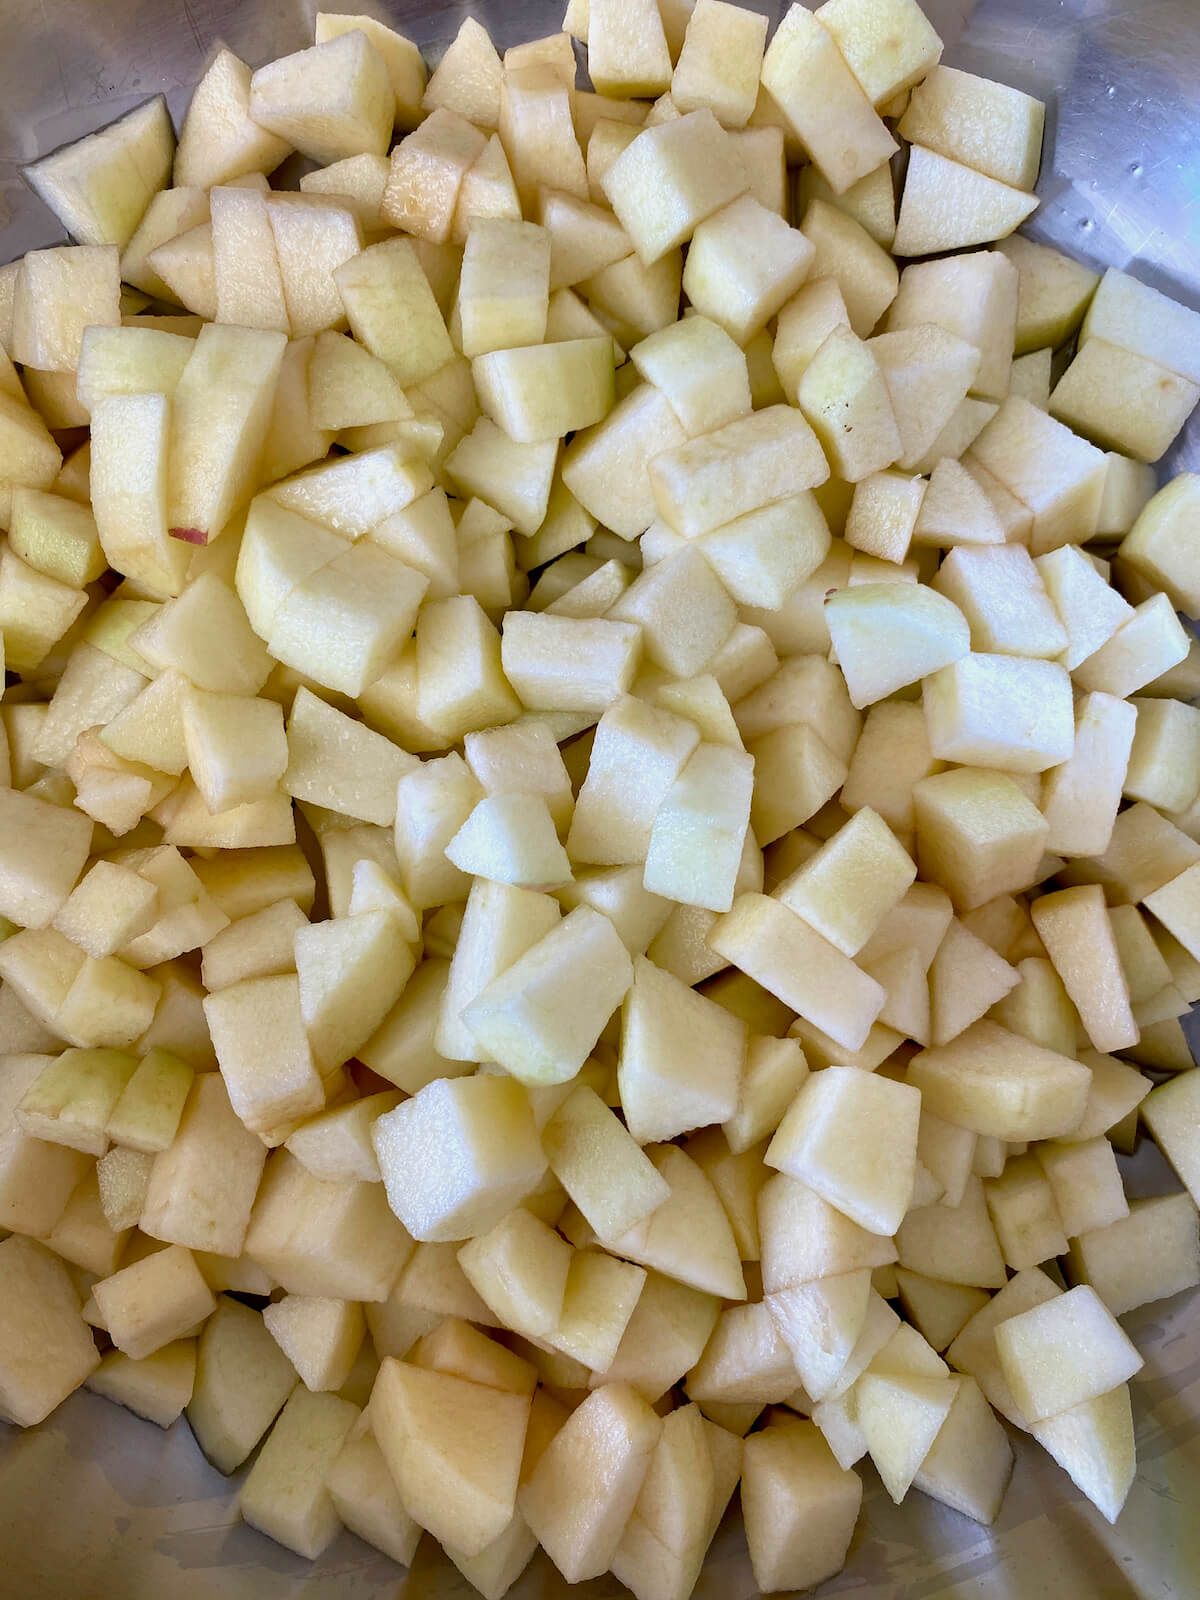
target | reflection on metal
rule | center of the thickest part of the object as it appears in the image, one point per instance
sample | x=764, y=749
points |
x=97, y=1502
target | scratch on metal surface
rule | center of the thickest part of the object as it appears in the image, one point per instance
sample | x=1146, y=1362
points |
x=193, y=26
x=48, y=33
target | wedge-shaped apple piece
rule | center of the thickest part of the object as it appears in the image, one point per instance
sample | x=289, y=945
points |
x=156, y=1300
x=520, y=1270
x=246, y=276
x=259, y=1036
x=1037, y=729
x=800, y=1507
x=284, y=1494
x=977, y=835
x=158, y=1387
x=665, y=1337
x=683, y=1494
x=345, y=621
x=332, y=1239
x=1123, y=401
x=538, y=132
x=147, y=1114
x=202, y=1187
x=746, y=1362
x=665, y=1240
x=220, y=141
x=669, y=179
x=608, y=1440
x=923, y=632
x=1130, y=314
x=1001, y=1085
x=242, y=1380
x=928, y=371
x=614, y=819
x=681, y=1057
x=604, y=469
x=1093, y=1443
x=956, y=1244
x=821, y=1322
x=365, y=1498
x=426, y=174
x=510, y=839
x=720, y=63
x=99, y=186
x=587, y=1145
x=532, y=1021
x=320, y=1337
x=351, y=972
x=805, y=73
x=71, y=1101
x=43, y=849
x=46, y=1348
x=1144, y=1256
x=901, y=1415
x=183, y=264
x=696, y=842
x=454, y=1449
x=58, y=293
x=219, y=422
x=405, y=68
x=323, y=744
x=937, y=1309
x=501, y=922
x=467, y=79
x=331, y=101
x=849, y=885
x=948, y=206
x=546, y=391
x=788, y=958
x=1074, y=926
x=477, y=1179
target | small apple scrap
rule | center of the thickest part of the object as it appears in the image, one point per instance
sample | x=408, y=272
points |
x=601, y=825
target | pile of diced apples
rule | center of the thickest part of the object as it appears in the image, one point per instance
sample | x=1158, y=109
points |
x=601, y=789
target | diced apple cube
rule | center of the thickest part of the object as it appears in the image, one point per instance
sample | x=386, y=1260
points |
x=874, y=1187
x=627, y=48
x=609, y=1439
x=1000, y=1085
x=800, y=1506
x=1134, y=316
x=1040, y=1357
x=1147, y=1255
x=489, y=1177
x=1035, y=697
x=393, y=312
x=669, y=179
x=454, y=1449
x=158, y=1299
x=46, y=1348
x=546, y=391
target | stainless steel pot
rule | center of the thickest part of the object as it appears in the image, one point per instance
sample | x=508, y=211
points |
x=99, y=1505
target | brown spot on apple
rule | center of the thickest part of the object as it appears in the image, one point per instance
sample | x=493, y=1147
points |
x=190, y=535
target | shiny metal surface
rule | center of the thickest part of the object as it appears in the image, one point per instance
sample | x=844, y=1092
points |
x=95, y=1503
